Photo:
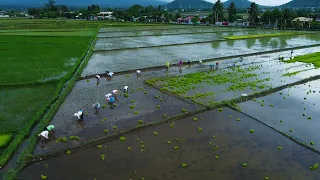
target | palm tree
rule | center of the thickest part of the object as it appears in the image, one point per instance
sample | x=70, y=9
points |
x=253, y=13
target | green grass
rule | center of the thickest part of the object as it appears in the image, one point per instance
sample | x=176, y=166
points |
x=261, y=35
x=27, y=60
x=5, y=140
x=46, y=33
x=18, y=105
x=313, y=58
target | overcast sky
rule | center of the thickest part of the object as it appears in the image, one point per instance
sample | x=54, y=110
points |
x=261, y=2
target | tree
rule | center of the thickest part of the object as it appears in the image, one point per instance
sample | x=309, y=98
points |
x=254, y=13
x=195, y=19
x=34, y=11
x=178, y=15
x=232, y=12
x=51, y=6
x=218, y=11
x=93, y=9
x=135, y=10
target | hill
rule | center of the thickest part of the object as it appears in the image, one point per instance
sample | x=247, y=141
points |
x=302, y=3
x=79, y=3
x=187, y=4
x=239, y=3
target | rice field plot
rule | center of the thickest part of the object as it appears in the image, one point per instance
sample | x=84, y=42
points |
x=293, y=111
x=147, y=27
x=262, y=35
x=141, y=105
x=48, y=33
x=29, y=59
x=158, y=56
x=231, y=32
x=150, y=41
x=210, y=87
x=210, y=145
x=18, y=105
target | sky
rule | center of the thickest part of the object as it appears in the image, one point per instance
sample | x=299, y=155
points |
x=260, y=2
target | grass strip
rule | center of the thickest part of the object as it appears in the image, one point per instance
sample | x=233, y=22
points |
x=313, y=58
x=5, y=140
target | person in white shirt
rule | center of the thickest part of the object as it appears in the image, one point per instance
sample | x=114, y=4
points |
x=44, y=135
x=138, y=73
x=79, y=114
x=125, y=89
x=200, y=63
x=114, y=93
x=98, y=79
x=96, y=106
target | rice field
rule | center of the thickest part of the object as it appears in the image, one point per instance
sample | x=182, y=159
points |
x=256, y=120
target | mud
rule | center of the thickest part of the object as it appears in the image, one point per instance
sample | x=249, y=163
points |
x=84, y=94
x=149, y=57
x=294, y=111
x=158, y=160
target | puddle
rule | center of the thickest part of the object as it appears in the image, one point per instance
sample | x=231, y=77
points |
x=236, y=145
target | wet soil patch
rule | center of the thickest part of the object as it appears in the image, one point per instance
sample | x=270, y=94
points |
x=143, y=103
x=219, y=150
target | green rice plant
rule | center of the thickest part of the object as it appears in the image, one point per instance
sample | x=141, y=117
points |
x=74, y=137
x=161, y=100
x=141, y=150
x=176, y=147
x=238, y=119
x=216, y=157
x=271, y=105
x=142, y=146
x=126, y=95
x=99, y=146
x=115, y=127
x=266, y=178
x=280, y=121
x=314, y=167
x=164, y=116
x=195, y=119
x=127, y=75
x=104, y=119
x=155, y=133
x=171, y=125
x=168, y=142
x=251, y=131
x=136, y=112
x=290, y=130
x=215, y=148
x=104, y=106
x=132, y=106
x=199, y=129
x=279, y=148
x=141, y=142
x=156, y=97
x=106, y=131
x=5, y=140
x=122, y=138
x=230, y=117
x=145, y=92
x=129, y=148
x=68, y=152
x=88, y=80
x=213, y=137
x=158, y=106
x=312, y=143
x=184, y=110
x=132, y=101
x=183, y=165
x=309, y=118
x=43, y=177
x=303, y=114
x=102, y=157
x=220, y=109
x=140, y=121
x=177, y=139
x=244, y=165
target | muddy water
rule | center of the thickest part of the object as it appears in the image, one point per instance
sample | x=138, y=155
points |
x=142, y=58
x=149, y=41
x=86, y=93
x=159, y=160
x=178, y=31
x=290, y=110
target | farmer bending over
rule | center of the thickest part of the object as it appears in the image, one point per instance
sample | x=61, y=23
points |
x=138, y=73
x=98, y=79
x=50, y=128
x=125, y=89
x=167, y=65
x=44, y=135
x=96, y=106
x=79, y=114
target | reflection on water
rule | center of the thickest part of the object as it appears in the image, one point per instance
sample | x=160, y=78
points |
x=274, y=43
x=250, y=43
x=230, y=43
x=264, y=42
x=215, y=45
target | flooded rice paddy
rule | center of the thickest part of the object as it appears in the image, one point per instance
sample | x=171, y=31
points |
x=158, y=56
x=218, y=144
x=143, y=103
x=294, y=111
x=223, y=149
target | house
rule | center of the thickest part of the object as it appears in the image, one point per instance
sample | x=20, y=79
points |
x=188, y=20
x=3, y=14
x=302, y=21
x=105, y=15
